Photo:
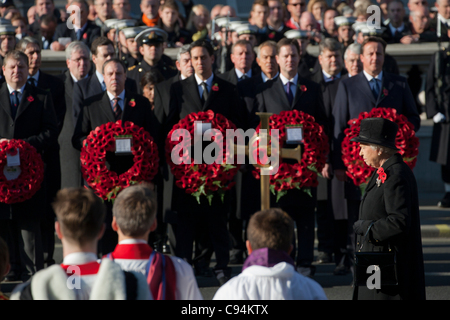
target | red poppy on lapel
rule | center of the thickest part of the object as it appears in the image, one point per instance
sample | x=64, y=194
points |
x=303, y=87
x=30, y=98
x=215, y=87
x=132, y=103
x=385, y=92
x=85, y=36
x=381, y=176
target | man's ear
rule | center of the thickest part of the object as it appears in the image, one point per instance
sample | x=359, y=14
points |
x=114, y=225
x=249, y=247
x=102, y=231
x=154, y=225
x=58, y=230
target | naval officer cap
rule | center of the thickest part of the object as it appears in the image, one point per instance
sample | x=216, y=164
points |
x=151, y=36
x=344, y=21
x=125, y=23
x=132, y=32
x=6, y=3
x=358, y=25
x=297, y=34
x=371, y=31
x=223, y=21
x=7, y=29
x=246, y=28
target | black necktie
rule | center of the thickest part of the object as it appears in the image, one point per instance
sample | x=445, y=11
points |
x=32, y=81
x=15, y=103
x=116, y=108
x=375, y=89
x=205, y=92
x=290, y=94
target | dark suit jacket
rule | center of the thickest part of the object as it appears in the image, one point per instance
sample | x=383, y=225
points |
x=51, y=156
x=271, y=97
x=90, y=33
x=355, y=96
x=69, y=156
x=91, y=86
x=395, y=38
x=35, y=123
x=185, y=99
x=97, y=110
x=394, y=208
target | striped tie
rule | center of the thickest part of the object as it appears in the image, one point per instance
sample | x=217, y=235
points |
x=116, y=108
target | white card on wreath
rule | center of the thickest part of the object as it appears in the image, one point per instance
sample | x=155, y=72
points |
x=294, y=135
x=202, y=127
x=13, y=160
x=123, y=145
x=12, y=173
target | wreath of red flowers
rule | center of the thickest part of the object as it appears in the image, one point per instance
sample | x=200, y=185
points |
x=200, y=179
x=32, y=172
x=405, y=140
x=105, y=183
x=315, y=148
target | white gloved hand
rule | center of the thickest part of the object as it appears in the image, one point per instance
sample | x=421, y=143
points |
x=438, y=118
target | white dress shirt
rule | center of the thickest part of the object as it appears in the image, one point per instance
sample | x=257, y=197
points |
x=208, y=84
x=121, y=101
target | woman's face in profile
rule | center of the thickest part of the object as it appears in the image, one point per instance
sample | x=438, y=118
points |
x=149, y=93
x=370, y=155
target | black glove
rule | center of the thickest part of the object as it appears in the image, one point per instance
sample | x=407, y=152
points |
x=359, y=227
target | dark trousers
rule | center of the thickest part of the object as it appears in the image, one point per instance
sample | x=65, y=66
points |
x=325, y=226
x=23, y=237
x=344, y=237
x=445, y=173
x=301, y=208
x=204, y=226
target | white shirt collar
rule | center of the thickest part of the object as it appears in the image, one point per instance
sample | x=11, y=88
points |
x=399, y=29
x=36, y=76
x=133, y=241
x=369, y=77
x=121, y=95
x=75, y=79
x=443, y=20
x=239, y=73
x=82, y=28
x=286, y=80
x=208, y=81
x=327, y=77
x=99, y=76
x=79, y=258
x=265, y=78
x=11, y=89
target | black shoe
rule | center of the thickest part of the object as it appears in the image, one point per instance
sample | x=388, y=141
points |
x=221, y=277
x=12, y=277
x=341, y=270
x=445, y=202
x=324, y=257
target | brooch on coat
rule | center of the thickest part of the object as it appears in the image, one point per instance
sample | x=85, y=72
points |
x=381, y=176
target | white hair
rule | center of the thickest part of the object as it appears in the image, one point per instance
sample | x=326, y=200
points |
x=354, y=47
x=382, y=149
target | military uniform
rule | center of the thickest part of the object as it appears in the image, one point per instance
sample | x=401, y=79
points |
x=165, y=65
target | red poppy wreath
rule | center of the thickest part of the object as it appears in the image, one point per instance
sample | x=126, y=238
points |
x=105, y=183
x=301, y=175
x=200, y=179
x=20, y=183
x=405, y=140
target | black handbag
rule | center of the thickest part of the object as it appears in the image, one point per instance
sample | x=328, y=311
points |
x=383, y=262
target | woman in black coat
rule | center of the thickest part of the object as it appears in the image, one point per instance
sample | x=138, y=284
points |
x=391, y=203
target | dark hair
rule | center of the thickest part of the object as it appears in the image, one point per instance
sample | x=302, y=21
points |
x=287, y=42
x=272, y=228
x=98, y=42
x=80, y=213
x=204, y=44
x=115, y=60
x=47, y=19
x=373, y=39
x=153, y=76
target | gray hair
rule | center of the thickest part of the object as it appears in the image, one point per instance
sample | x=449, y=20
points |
x=329, y=44
x=76, y=46
x=184, y=49
x=385, y=150
x=354, y=47
x=24, y=42
x=268, y=43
